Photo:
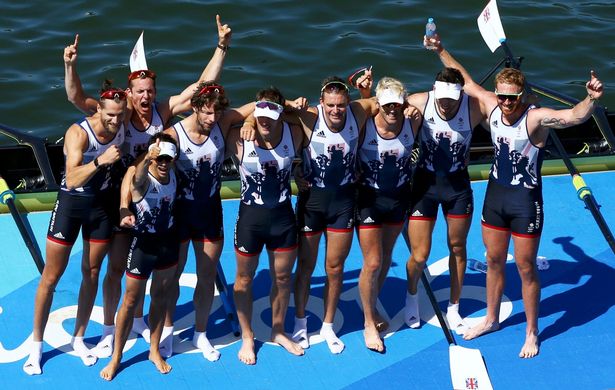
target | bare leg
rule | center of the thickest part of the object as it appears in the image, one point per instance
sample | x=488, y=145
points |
x=135, y=290
x=496, y=242
x=526, y=250
x=281, y=267
x=370, y=239
x=162, y=281
x=458, y=228
x=242, y=292
x=306, y=262
x=55, y=265
x=419, y=232
x=390, y=235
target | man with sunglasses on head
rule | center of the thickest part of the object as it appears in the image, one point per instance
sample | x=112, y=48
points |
x=383, y=194
x=202, y=151
x=441, y=179
x=266, y=217
x=146, y=117
x=91, y=148
x=513, y=202
x=333, y=129
x=153, y=250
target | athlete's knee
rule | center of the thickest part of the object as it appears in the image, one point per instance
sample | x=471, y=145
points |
x=243, y=282
x=372, y=265
x=527, y=271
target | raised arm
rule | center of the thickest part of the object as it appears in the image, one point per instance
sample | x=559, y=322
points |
x=72, y=82
x=181, y=103
x=542, y=119
x=140, y=182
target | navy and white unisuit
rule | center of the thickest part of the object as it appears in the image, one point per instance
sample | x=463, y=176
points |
x=101, y=181
x=199, y=165
x=445, y=144
x=332, y=154
x=265, y=173
x=92, y=208
x=513, y=201
x=266, y=215
x=385, y=163
x=154, y=212
x=137, y=141
x=154, y=245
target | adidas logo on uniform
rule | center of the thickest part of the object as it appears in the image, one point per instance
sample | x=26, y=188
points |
x=154, y=190
x=59, y=235
x=321, y=134
x=135, y=271
x=128, y=133
x=253, y=154
x=306, y=229
x=368, y=220
x=373, y=142
x=494, y=123
x=417, y=214
x=188, y=151
x=242, y=249
x=431, y=120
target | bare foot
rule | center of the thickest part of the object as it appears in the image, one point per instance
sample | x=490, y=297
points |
x=108, y=373
x=287, y=344
x=160, y=363
x=246, y=352
x=381, y=324
x=481, y=329
x=531, y=346
x=372, y=339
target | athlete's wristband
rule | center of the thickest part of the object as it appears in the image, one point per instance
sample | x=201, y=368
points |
x=96, y=164
x=222, y=47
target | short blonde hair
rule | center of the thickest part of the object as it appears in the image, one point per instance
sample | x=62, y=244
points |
x=510, y=76
x=392, y=84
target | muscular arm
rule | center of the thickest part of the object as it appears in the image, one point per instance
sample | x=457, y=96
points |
x=77, y=173
x=72, y=82
x=181, y=103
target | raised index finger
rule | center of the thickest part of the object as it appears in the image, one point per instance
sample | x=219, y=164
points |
x=76, y=40
x=218, y=22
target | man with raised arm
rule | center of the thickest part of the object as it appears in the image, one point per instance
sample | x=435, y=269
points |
x=91, y=148
x=513, y=202
x=146, y=117
x=153, y=249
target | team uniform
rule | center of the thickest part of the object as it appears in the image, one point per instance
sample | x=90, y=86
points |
x=441, y=177
x=266, y=198
x=329, y=203
x=513, y=201
x=154, y=244
x=199, y=206
x=137, y=141
x=386, y=171
x=92, y=207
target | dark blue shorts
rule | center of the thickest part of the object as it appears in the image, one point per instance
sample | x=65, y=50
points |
x=260, y=226
x=518, y=210
x=150, y=252
x=319, y=209
x=452, y=191
x=199, y=221
x=94, y=215
x=375, y=208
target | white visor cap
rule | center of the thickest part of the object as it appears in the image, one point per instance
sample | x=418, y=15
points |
x=388, y=96
x=166, y=149
x=444, y=90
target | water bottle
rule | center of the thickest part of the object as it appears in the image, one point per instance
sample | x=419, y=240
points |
x=430, y=31
x=476, y=265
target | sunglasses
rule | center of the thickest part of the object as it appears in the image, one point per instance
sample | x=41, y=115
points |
x=165, y=158
x=391, y=106
x=334, y=86
x=211, y=89
x=510, y=96
x=352, y=79
x=270, y=105
x=114, y=94
x=141, y=74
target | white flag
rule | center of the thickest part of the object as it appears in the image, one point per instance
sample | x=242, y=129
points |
x=137, y=57
x=490, y=26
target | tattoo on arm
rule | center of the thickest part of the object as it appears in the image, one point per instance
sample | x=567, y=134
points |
x=554, y=123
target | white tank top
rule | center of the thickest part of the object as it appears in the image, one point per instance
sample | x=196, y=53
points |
x=386, y=163
x=265, y=173
x=154, y=211
x=333, y=154
x=517, y=161
x=199, y=165
x=137, y=140
x=445, y=144
x=102, y=179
